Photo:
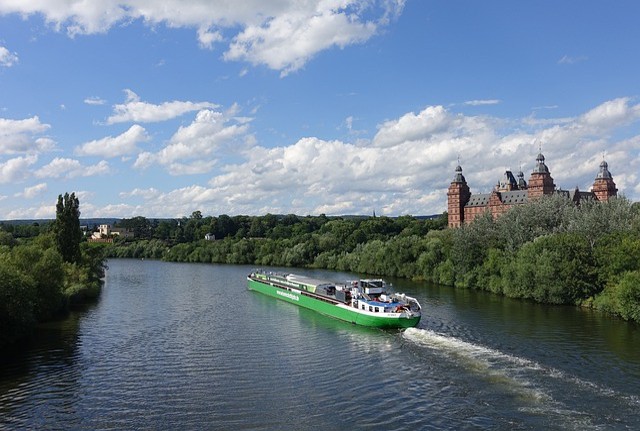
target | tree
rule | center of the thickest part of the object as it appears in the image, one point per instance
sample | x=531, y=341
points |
x=67, y=227
x=17, y=293
x=141, y=227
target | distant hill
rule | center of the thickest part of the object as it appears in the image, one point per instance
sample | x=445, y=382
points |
x=83, y=221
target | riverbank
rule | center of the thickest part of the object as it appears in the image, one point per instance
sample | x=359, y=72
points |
x=37, y=285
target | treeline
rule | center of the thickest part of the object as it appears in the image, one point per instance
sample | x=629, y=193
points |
x=31, y=230
x=41, y=276
x=548, y=250
x=288, y=240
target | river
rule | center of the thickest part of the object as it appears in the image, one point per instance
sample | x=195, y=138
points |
x=188, y=347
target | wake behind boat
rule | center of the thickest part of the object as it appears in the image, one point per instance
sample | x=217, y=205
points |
x=363, y=302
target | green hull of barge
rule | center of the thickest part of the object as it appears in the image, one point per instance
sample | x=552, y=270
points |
x=330, y=308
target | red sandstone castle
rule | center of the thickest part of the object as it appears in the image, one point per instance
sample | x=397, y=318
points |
x=463, y=207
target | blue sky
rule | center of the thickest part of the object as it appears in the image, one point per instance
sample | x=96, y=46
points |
x=159, y=108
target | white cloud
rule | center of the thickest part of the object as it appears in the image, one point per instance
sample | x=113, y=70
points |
x=19, y=136
x=144, y=160
x=407, y=167
x=404, y=169
x=144, y=193
x=432, y=120
x=597, y=123
x=44, y=211
x=481, y=102
x=94, y=100
x=117, y=146
x=193, y=149
x=290, y=39
x=16, y=169
x=119, y=210
x=208, y=38
x=282, y=35
x=33, y=191
x=611, y=114
x=7, y=58
x=135, y=110
x=71, y=168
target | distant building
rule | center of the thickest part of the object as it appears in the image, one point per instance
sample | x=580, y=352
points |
x=106, y=231
x=210, y=237
x=463, y=207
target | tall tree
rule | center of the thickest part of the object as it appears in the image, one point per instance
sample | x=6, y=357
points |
x=67, y=227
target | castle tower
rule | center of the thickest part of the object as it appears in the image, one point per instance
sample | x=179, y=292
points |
x=522, y=184
x=457, y=197
x=540, y=181
x=603, y=186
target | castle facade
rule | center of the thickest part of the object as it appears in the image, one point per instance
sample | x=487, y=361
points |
x=463, y=207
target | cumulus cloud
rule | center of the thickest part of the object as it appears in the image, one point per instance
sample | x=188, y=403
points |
x=7, y=58
x=135, y=110
x=47, y=211
x=115, y=146
x=405, y=168
x=149, y=193
x=71, y=168
x=208, y=38
x=193, y=148
x=20, y=136
x=283, y=35
x=431, y=121
x=287, y=41
x=408, y=165
x=16, y=169
x=611, y=114
x=33, y=191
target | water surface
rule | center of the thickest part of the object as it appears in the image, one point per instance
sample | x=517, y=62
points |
x=187, y=346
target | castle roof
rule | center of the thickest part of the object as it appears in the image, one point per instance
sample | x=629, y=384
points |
x=514, y=197
x=478, y=200
x=576, y=195
x=604, y=171
x=508, y=181
x=458, y=177
x=540, y=168
x=507, y=198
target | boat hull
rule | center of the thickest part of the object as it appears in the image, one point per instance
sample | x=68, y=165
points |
x=330, y=308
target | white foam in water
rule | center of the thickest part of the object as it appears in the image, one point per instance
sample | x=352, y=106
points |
x=464, y=350
x=506, y=368
x=496, y=365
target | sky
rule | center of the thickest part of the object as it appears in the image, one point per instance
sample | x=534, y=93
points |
x=159, y=108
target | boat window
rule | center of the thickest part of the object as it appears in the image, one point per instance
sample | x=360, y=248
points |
x=370, y=308
x=363, y=306
x=377, y=309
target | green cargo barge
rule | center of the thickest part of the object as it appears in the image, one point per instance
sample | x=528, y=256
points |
x=362, y=302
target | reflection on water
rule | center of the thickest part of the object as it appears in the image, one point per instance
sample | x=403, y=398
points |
x=188, y=346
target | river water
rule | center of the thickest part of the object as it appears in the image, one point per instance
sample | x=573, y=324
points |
x=188, y=347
